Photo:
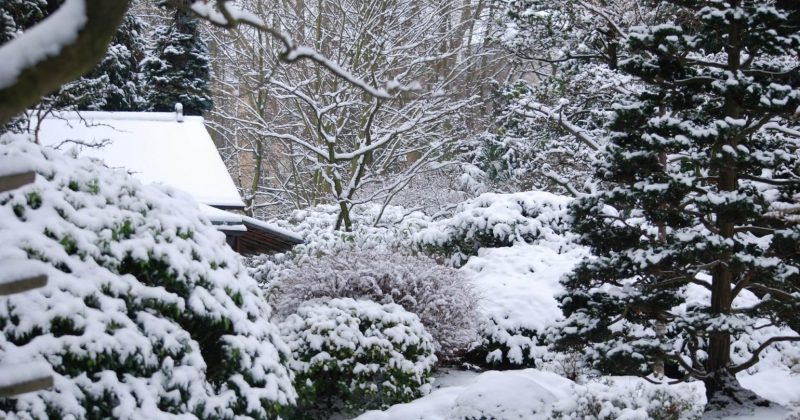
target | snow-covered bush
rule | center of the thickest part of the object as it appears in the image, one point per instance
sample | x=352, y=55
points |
x=599, y=401
x=517, y=285
x=354, y=355
x=147, y=314
x=441, y=296
x=497, y=220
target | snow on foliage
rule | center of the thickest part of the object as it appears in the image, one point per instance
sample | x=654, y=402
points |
x=355, y=355
x=147, y=314
x=703, y=166
x=518, y=285
x=316, y=226
x=441, y=296
x=497, y=220
x=518, y=247
x=631, y=399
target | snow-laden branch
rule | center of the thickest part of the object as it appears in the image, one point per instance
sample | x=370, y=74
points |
x=603, y=14
x=42, y=41
x=541, y=110
x=56, y=51
x=774, y=126
x=228, y=16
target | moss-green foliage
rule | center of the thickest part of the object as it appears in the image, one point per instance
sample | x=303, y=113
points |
x=352, y=356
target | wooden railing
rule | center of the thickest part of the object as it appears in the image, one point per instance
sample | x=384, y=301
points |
x=29, y=377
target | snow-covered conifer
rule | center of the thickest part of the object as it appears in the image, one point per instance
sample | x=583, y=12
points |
x=18, y=15
x=178, y=69
x=702, y=158
x=125, y=90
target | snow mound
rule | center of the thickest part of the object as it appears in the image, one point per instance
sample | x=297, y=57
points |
x=147, y=314
x=537, y=389
x=534, y=394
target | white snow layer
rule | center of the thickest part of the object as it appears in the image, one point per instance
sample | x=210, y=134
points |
x=532, y=394
x=154, y=147
x=21, y=373
x=42, y=41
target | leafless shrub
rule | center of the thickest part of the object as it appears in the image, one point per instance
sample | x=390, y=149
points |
x=443, y=299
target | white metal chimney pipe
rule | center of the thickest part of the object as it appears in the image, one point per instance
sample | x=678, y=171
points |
x=179, y=112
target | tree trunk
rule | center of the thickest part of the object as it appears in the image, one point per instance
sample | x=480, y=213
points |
x=721, y=382
x=719, y=346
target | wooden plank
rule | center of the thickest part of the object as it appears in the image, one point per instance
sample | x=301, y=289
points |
x=31, y=385
x=14, y=181
x=23, y=285
x=19, y=378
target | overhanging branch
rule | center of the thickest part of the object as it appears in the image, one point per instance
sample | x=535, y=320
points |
x=70, y=62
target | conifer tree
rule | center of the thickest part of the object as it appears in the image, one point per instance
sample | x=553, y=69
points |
x=704, y=161
x=18, y=15
x=119, y=72
x=178, y=69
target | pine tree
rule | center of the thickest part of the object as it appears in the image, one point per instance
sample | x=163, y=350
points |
x=116, y=83
x=124, y=89
x=178, y=70
x=704, y=160
x=18, y=15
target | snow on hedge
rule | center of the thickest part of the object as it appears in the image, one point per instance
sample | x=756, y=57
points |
x=518, y=285
x=514, y=248
x=316, y=227
x=355, y=355
x=147, y=314
x=497, y=220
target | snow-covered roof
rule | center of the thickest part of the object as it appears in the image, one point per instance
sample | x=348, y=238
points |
x=153, y=146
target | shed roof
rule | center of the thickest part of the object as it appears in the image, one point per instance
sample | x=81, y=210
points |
x=154, y=146
x=249, y=236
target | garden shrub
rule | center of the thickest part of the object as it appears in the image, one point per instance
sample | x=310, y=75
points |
x=352, y=356
x=496, y=220
x=147, y=314
x=441, y=296
x=501, y=348
x=601, y=401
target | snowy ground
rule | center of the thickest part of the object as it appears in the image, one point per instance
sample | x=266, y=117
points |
x=531, y=394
